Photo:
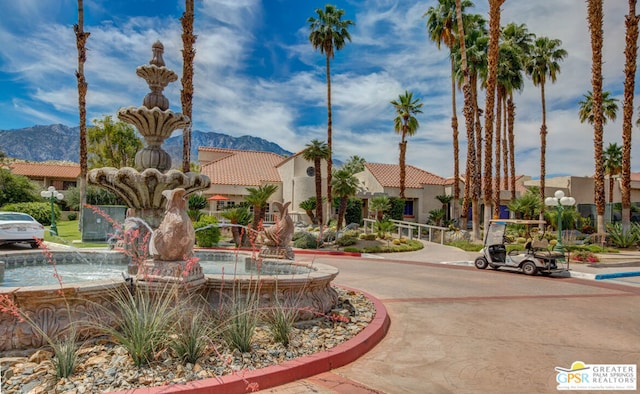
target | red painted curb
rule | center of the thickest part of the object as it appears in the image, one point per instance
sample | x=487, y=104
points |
x=291, y=370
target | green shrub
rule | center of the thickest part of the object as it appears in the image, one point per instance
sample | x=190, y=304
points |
x=353, y=214
x=369, y=237
x=346, y=240
x=72, y=216
x=396, y=210
x=622, y=239
x=306, y=241
x=41, y=211
x=210, y=236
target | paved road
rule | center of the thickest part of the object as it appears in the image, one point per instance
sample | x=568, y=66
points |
x=456, y=329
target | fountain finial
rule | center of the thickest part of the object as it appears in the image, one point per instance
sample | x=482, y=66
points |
x=158, y=49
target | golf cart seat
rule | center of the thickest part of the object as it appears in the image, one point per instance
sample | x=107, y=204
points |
x=540, y=249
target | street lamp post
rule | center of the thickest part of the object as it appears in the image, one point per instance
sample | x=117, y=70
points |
x=52, y=195
x=560, y=202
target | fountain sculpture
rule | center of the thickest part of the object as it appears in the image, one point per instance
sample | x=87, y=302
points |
x=141, y=188
x=147, y=192
x=148, y=189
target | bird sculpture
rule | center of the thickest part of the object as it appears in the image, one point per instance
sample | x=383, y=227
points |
x=173, y=240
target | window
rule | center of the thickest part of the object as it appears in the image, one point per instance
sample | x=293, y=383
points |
x=408, y=208
x=311, y=171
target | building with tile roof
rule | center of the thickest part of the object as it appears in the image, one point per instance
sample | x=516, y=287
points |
x=62, y=176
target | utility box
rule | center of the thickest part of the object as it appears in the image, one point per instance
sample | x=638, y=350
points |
x=97, y=226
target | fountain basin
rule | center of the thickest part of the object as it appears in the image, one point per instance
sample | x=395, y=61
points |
x=305, y=287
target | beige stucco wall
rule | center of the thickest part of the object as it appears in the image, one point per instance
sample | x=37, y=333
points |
x=297, y=186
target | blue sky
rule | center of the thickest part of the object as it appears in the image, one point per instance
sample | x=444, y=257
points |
x=257, y=74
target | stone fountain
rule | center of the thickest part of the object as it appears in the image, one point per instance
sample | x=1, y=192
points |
x=156, y=195
x=153, y=185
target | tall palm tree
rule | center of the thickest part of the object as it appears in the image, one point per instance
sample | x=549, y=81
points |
x=186, y=94
x=476, y=41
x=630, y=51
x=81, y=40
x=609, y=107
x=441, y=25
x=405, y=124
x=316, y=151
x=594, y=18
x=519, y=38
x=612, y=161
x=329, y=33
x=258, y=197
x=542, y=63
x=509, y=78
x=468, y=113
x=344, y=185
x=492, y=72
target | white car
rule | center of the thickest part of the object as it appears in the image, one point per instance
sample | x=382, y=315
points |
x=18, y=227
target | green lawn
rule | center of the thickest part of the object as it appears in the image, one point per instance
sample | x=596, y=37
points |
x=68, y=234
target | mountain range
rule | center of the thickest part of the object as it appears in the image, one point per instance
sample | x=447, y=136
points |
x=62, y=143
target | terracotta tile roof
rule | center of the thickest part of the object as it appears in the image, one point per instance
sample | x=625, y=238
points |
x=48, y=170
x=242, y=167
x=389, y=176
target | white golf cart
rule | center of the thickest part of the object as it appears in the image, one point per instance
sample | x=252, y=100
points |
x=536, y=258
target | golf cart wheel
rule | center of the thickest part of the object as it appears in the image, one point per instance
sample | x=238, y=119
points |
x=481, y=263
x=529, y=268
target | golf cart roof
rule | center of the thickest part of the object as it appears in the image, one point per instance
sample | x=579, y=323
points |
x=517, y=221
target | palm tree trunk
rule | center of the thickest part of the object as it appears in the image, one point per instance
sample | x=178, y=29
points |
x=456, y=149
x=468, y=115
x=477, y=175
x=505, y=147
x=81, y=39
x=496, y=197
x=630, y=52
x=543, y=145
x=329, y=139
x=492, y=66
x=403, y=149
x=595, y=28
x=512, y=152
x=341, y=210
x=186, y=94
x=318, y=175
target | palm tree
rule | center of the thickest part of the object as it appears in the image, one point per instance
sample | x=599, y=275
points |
x=316, y=151
x=612, y=160
x=258, y=197
x=186, y=94
x=355, y=164
x=405, y=124
x=329, y=33
x=467, y=111
x=238, y=216
x=379, y=204
x=492, y=73
x=543, y=63
x=309, y=205
x=609, y=107
x=594, y=17
x=344, y=185
x=509, y=78
x=81, y=40
x=631, y=50
x=441, y=25
x=518, y=37
x=472, y=59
